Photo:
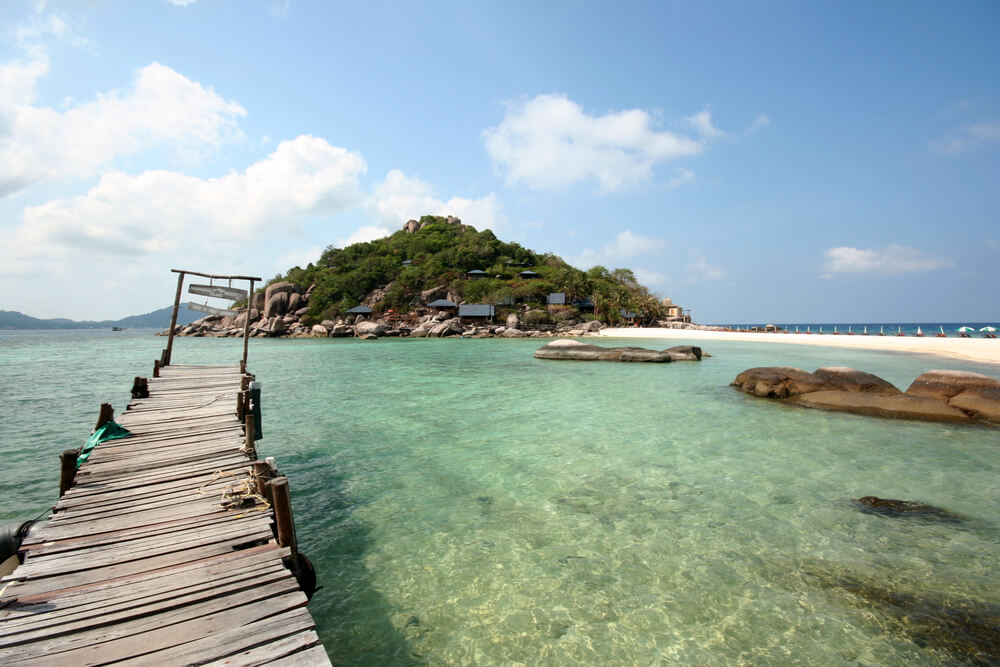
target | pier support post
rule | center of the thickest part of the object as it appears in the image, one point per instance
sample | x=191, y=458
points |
x=106, y=415
x=156, y=368
x=283, y=519
x=173, y=317
x=140, y=387
x=250, y=429
x=67, y=472
x=263, y=473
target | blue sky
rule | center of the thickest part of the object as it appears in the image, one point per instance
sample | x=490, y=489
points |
x=765, y=161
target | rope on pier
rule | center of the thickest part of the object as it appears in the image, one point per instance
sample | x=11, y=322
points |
x=241, y=494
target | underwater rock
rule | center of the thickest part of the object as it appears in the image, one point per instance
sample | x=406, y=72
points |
x=910, y=508
x=576, y=351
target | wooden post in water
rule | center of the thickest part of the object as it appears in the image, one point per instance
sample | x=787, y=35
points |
x=156, y=368
x=67, y=469
x=106, y=415
x=250, y=431
x=246, y=328
x=140, y=387
x=173, y=315
x=283, y=518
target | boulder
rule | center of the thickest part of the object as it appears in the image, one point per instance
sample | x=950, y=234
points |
x=848, y=379
x=319, y=331
x=944, y=385
x=979, y=402
x=341, y=330
x=368, y=336
x=300, y=312
x=434, y=293
x=419, y=332
x=365, y=328
x=513, y=322
x=900, y=406
x=592, y=325
x=777, y=381
x=241, y=319
x=294, y=302
x=577, y=351
x=276, y=304
x=452, y=327
x=329, y=324
x=258, y=300
x=276, y=326
x=284, y=287
x=513, y=333
x=411, y=226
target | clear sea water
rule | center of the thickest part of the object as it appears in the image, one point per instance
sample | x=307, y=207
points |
x=949, y=329
x=465, y=503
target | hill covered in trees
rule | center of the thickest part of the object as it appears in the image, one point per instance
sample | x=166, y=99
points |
x=433, y=255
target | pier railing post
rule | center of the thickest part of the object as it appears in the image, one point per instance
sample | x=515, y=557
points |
x=67, y=472
x=262, y=471
x=283, y=518
x=250, y=429
x=156, y=368
x=173, y=317
x=107, y=414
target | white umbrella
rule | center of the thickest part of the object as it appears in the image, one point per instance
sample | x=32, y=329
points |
x=965, y=329
x=990, y=329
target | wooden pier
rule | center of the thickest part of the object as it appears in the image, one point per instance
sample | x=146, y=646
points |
x=173, y=546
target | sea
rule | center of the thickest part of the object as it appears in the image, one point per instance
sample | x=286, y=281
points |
x=465, y=503
x=949, y=329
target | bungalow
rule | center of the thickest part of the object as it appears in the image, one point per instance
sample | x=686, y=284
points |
x=359, y=310
x=528, y=275
x=476, y=312
x=584, y=305
x=475, y=274
x=443, y=305
x=557, y=299
x=675, y=312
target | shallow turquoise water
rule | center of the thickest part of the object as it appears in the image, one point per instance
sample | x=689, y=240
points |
x=465, y=503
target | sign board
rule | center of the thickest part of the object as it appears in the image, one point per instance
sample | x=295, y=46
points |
x=219, y=292
x=212, y=311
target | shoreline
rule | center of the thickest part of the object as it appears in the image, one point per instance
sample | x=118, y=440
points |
x=983, y=350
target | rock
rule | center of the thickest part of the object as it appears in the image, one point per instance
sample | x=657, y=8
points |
x=276, y=326
x=284, y=287
x=276, y=304
x=452, y=220
x=329, y=324
x=514, y=333
x=848, y=379
x=685, y=353
x=319, y=331
x=290, y=319
x=513, y=322
x=365, y=328
x=434, y=293
x=368, y=336
x=452, y=327
x=592, y=325
x=301, y=312
x=241, y=319
x=979, y=403
x=575, y=350
x=943, y=385
x=411, y=226
x=294, y=302
x=909, y=508
x=880, y=405
x=341, y=330
x=777, y=381
x=419, y=332
x=258, y=300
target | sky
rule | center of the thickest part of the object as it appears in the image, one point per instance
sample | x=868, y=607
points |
x=754, y=161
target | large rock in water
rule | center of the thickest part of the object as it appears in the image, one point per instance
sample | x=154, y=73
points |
x=576, y=351
x=368, y=328
x=452, y=327
x=945, y=396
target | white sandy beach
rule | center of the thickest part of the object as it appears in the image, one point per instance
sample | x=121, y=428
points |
x=971, y=349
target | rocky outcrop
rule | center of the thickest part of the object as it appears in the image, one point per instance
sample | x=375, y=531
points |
x=369, y=329
x=943, y=396
x=452, y=327
x=319, y=331
x=576, y=351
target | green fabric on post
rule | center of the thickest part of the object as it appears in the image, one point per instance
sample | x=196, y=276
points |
x=110, y=431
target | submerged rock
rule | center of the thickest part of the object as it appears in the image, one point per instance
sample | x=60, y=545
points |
x=907, y=508
x=577, y=351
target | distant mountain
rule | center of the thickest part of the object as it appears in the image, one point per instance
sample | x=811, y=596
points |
x=158, y=319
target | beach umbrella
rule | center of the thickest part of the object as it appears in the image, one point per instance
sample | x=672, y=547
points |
x=965, y=329
x=990, y=329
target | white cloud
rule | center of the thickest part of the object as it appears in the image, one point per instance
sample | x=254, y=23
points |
x=648, y=278
x=399, y=198
x=159, y=212
x=759, y=122
x=297, y=257
x=699, y=268
x=681, y=178
x=968, y=139
x=702, y=123
x=624, y=246
x=363, y=234
x=162, y=107
x=892, y=260
x=548, y=142
x=182, y=3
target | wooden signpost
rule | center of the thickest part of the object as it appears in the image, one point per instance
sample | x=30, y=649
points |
x=217, y=291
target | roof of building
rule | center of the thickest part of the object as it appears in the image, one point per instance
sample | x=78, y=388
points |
x=407, y=262
x=527, y=274
x=360, y=310
x=475, y=310
x=442, y=303
x=475, y=272
x=557, y=299
x=585, y=302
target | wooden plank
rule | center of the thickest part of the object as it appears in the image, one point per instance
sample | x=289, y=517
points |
x=218, y=292
x=266, y=654
x=314, y=657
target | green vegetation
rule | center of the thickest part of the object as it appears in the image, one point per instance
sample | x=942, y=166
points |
x=441, y=253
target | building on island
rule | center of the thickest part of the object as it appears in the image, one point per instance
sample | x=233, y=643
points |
x=675, y=313
x=476, y=312
x=475, y=274
x=443, y=306
x=359, y=310
x=528, y=275
x=557, y=299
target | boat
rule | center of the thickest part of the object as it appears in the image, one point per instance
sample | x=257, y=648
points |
x=942, y=334
x=866, y=331
x=118, y=328
x=881, y=331
x=919, y=334
x=899, y=331
x=850, y=331
x=835, y=332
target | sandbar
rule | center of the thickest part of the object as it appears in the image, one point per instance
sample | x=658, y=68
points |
x=970, y=349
